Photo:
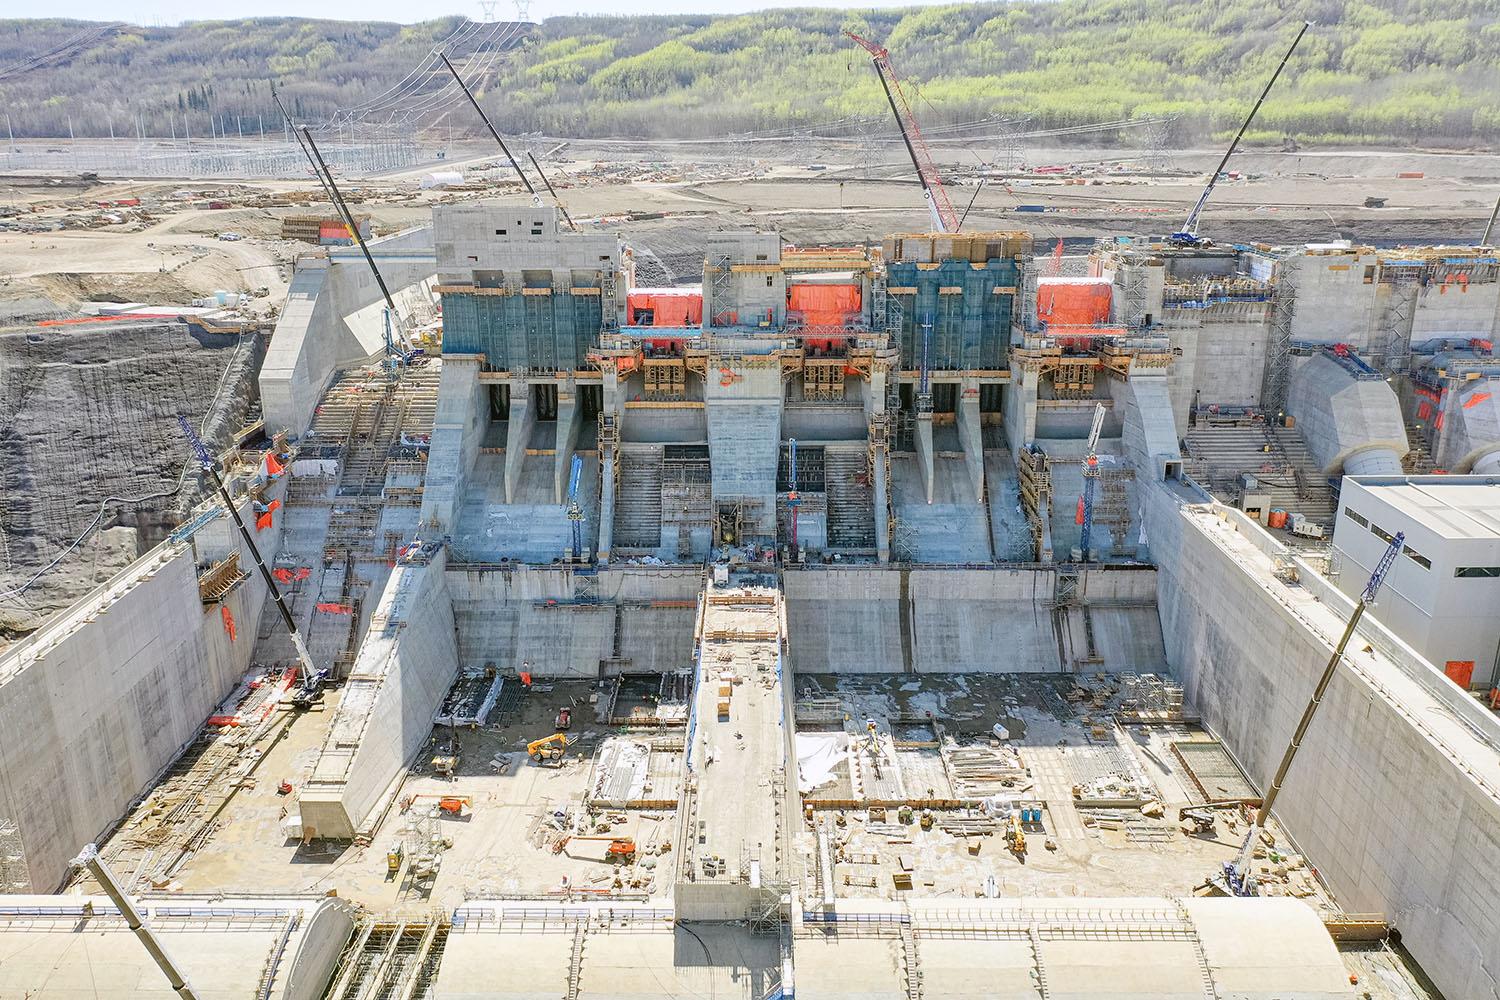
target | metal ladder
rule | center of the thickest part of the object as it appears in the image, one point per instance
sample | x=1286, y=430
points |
x=575, y=961
x=1039, y=971
x=911, y=962
x=1210, y=991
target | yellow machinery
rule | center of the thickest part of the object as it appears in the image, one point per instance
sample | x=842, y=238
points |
x=548, y=749
x=1015, y=836
x=393, y=859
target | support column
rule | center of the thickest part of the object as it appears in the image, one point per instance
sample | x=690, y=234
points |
x=611, y=420
x=1020, y=409
x=457, y=430
x=875, y=392
x=569, y=420
x=606, y=502
x=924, y=451
x=880, y=484
x=971, y=436
x=518, y=437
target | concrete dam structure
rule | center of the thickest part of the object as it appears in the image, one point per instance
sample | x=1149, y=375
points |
x=917, y=619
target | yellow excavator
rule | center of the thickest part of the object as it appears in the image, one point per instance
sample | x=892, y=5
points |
x=548, y=749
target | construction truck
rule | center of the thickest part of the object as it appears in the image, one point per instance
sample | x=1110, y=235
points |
x=548, y=749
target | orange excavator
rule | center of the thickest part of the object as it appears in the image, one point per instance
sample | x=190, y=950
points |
x=621, y=850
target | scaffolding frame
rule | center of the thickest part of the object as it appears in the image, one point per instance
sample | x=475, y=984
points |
x=1279, y=350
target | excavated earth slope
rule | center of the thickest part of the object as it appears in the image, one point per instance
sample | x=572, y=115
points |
x=90, y=447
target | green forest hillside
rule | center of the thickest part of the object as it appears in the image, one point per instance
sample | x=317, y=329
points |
x=1388, y=71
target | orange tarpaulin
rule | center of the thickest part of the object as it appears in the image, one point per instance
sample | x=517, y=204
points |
x=1073, y=301
x=823, y=305
x=1460, y=672
x=263, y=518
x=273, y=467
x=336, y=609
x=664, y=307
x=228, y=617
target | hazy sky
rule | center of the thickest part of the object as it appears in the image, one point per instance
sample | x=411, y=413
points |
x=176, y=11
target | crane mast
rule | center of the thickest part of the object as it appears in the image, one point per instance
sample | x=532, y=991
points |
x=1189, y=233
x=944, y=218
x=1090, y=479
x=575, y=512
x=1238, y=877
x=312, y=678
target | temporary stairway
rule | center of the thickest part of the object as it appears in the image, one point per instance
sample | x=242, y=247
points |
x=638, y=500
x=851, y=506
x=1276, y=457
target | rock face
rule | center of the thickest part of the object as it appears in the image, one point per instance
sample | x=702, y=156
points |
x=88, y=422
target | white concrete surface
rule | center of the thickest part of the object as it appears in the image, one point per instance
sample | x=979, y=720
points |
x=334, y=317
x=52, y=951
x=405, y=665
x=1396, y=789
x=96, y=703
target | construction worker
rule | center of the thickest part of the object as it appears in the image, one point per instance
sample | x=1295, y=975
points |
x=526, y=674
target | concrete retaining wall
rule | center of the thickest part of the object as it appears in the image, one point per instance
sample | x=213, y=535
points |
x=405, y=666
x=534, y=614
x=333, y=317
x=94, y=705
x=846, y=621
x=963, y=620
x=992, y=621
x=1384, y=810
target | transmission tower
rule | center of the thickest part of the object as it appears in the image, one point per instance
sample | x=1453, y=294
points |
x=1009, y=151
x=487, y=10
x=1158, y=138
x=523, y=10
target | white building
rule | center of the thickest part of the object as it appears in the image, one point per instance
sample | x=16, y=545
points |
x=1442, y=596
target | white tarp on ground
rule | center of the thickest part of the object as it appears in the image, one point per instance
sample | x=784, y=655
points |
x=622, y=770
x=817, y=755
x=314, y=467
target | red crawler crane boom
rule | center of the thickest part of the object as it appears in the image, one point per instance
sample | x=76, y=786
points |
x=943, y=215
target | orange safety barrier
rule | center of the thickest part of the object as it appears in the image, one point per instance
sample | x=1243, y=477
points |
x=1073, y=301
x=664, y=307
x=228, y=617
x=823, y=305
x=80, y=320
x=1460, y=672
